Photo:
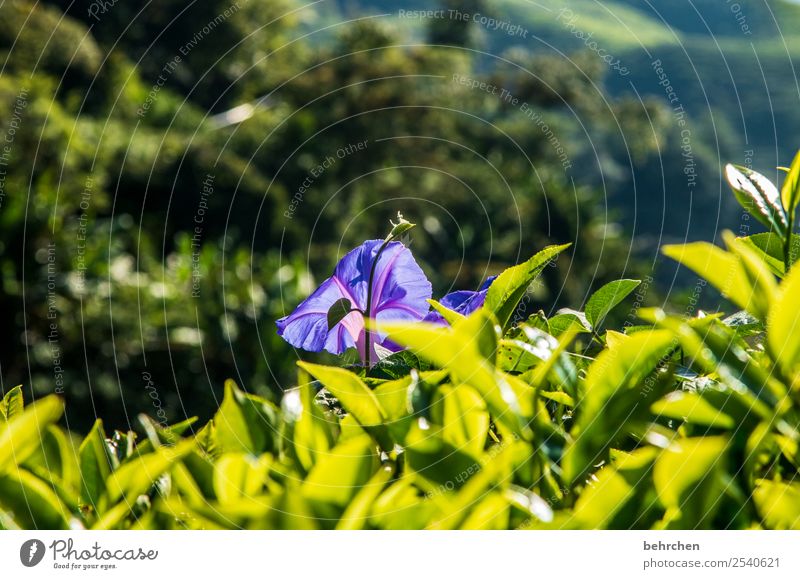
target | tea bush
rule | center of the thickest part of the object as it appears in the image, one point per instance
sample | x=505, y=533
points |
x=484, y=421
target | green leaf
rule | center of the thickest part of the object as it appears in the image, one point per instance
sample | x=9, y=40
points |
x=615, y=390
x=467, y=351
x=239, y=475
x=32, y=502
x=510, y=286
x=720, y=268
x=693, y=408
x=783, y=324
x=136, y=476
x=11, y=405
x=758, y=196
x=567, y=320
x=759, y=276
x=770, y=247
x=790, y=190
x=607, y=298
x=601, y=501
x=778, y=504
x=95, y=465
x=340, y=474
x=687, y=480
x=357, y=514
x=351, y=391
x=245, y=423
x=451, y=316
x=338, y=311
x=23, y=432
x=312, y=434
x=355, y=396
x=462, y=413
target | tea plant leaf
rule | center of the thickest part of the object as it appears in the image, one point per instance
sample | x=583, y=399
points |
x=510, y=286
x=462, y=413
x=686, y=479
x=95, y=465
x=790, y=190
x=339, y=310
x=770, y=247
x=137, y=475
x=721, y=269
x=245, y=423
x=614, y=391
x=357, y=514
x=783, y=324
x=356, y=397
x=340, y=474
x=693, y=408
x=467, y=351
x=758, y=196
x=32, y=502
x=451, y=316
x=759, y=276
x=607, y=298
x=11, y=405
x=778, y=504
x=312, y=433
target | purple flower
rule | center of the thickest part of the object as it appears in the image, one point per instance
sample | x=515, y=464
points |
x=399, y=293
x=463, y=302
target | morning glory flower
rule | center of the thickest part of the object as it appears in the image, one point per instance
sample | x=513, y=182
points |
x=463, y=302
x=399, y=293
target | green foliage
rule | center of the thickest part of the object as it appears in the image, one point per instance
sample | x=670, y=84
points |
x=680, y=423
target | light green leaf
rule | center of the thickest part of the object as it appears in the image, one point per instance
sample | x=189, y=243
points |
x=687, y=482
x=23, y=432
x=338, y=311
x=312, y=433
x=759, y=276
x=356, y=398
x=32, y=502
x=607, y=298
x=783, y=324
x=136, y=476
x=239, y=475
x=467, y=351
x=778, y=504
x=11, y=405
x=462, y=413
x=568, y=320
x=245, y=423
x=357, y=513
x=770, y=247
x=340, y=474
x=615, y=389
x=510, y=286
x=693, y=408
x=95, y=465
x=451, y=316
x=720, y=268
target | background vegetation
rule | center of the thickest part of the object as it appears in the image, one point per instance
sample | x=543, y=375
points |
x=116, y=139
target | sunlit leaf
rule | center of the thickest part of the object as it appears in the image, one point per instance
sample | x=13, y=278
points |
x=607, y=298
x=510, y=286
